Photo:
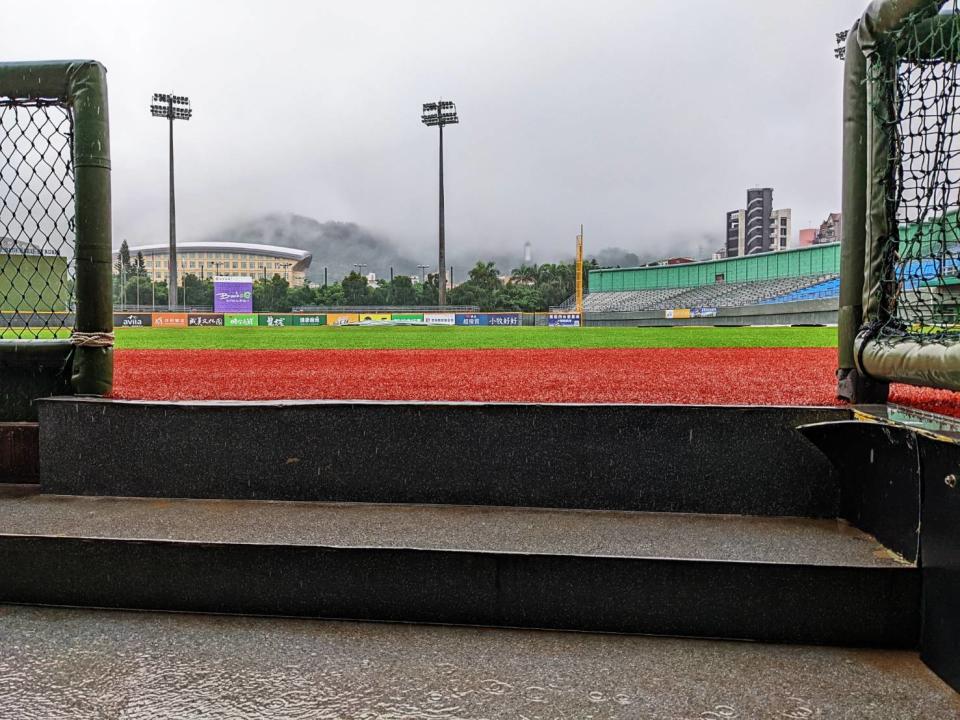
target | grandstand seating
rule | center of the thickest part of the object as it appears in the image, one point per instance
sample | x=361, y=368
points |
x=717, y=295
x=818, y=291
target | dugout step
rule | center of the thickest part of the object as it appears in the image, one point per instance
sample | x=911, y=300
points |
x=659, y=458
x=201, y=666
x=768, y=579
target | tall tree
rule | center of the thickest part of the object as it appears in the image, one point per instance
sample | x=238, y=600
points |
x=122, y=265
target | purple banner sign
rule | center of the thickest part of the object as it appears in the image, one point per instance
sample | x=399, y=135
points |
x=233, y=295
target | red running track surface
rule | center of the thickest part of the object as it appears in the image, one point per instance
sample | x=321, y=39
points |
x=747, y=376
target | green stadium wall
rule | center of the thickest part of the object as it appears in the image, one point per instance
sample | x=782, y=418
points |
x=815, y=260
x=34, y=283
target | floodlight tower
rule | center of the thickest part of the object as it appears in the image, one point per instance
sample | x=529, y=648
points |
x=171, y=107
x=438, y=114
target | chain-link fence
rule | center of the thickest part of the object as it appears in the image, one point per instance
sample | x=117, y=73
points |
x=37, y=230
x=915, y=101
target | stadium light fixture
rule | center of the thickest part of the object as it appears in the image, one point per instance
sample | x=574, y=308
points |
x=439, y=114
x=423, y=270
x=171, y=107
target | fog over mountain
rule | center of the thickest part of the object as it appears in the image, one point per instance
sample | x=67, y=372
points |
x=339, y=246
x=335, y=245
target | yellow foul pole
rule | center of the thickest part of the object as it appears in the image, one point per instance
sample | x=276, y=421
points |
x=580, y=274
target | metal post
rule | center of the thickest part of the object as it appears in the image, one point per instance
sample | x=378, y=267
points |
x=324, y=276
x=172, y=296
x=443, y=249
x=439, y=114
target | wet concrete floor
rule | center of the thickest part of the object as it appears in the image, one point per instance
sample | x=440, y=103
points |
x=61, y=663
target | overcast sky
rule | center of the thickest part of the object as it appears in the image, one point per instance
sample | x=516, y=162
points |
x=645, y=120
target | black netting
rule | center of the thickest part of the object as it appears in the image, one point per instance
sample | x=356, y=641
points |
x=36, y=219
x=915, y=105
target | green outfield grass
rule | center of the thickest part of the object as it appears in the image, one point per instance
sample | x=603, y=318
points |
x=461, y=338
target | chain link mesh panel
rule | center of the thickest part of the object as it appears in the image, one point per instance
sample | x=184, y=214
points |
x=37, y=230
x=915, y=103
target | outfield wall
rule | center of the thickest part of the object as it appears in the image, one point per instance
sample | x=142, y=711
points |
x=280, y=320
x=800, y=262
x=804, y=312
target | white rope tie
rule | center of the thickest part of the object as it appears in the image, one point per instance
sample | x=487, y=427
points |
x=92, y=339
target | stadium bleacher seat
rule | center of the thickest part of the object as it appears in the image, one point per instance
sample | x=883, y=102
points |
x=760, y=292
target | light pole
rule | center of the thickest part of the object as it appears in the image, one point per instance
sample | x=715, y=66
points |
x=439, y=114
x=171, y=107
x=360, y=267
x=423, y=269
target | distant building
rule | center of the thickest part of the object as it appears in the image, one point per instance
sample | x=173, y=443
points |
x=781, y=228
x=226, y=258
x=736, y=228
x=831, y=230
x=808, y=237
x=527, y=253
x=759, y=227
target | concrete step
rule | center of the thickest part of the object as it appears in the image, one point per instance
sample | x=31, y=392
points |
x=19, y=452
x=696, y=459
x=769, y=579
x=95, y=663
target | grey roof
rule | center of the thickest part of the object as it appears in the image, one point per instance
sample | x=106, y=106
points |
x=249, y=248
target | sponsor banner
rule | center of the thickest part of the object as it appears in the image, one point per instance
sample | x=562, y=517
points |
x=504, y=319
x=677, y=314
x=309, y=320
x=178, y=320
x=563, y=320
x=470, y=319
x=703, y=312
x=491, y=319
x=232, y=295
x=407, y=317
x=440, y=318
x=240, y=320
x=132, y=320
x=374, y=317
x=205, y=320
x=342, y=318
x=275, y=320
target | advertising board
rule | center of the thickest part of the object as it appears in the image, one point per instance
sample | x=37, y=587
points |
x=169, y=320
x=205, y=320
x=240, y=320
x=563, y=320
x=132, y=320
x=232, y=294
x=407, y=317
x=677, y=314
x=275, y=320
x=374, y=317
x=503, y=319
x=703, y=312
x=311, y=320
x=342, y=318
x=440, y=318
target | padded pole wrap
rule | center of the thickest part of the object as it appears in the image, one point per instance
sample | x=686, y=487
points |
x=926, y=364
x=854, y=199
x=92, y=366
